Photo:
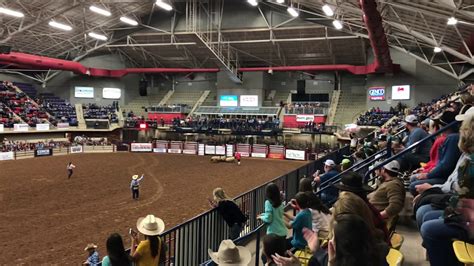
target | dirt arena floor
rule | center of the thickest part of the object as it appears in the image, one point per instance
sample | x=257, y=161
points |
x=47, y=219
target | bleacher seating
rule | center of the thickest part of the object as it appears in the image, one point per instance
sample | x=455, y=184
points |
x=62, y=110
x=94, y=111
x=376, y=117
x=237, y=110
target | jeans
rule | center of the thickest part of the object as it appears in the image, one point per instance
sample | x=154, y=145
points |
x=135, y=193
x=433, y=181
x=438, y=238
x=426, y=213
x=410, y=161
x=235, y=231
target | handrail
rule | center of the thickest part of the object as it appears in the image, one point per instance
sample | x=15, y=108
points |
x=411, y=147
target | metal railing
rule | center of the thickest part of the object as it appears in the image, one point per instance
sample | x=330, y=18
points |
x=188, y=242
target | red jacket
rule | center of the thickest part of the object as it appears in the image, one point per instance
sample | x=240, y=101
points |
x=237, y=156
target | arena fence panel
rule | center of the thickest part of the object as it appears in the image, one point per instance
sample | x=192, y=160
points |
x=188, y=242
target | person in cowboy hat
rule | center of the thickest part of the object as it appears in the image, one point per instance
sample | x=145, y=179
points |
x=93, y=255
x=150, y=251
x=389, y=197
x=135, y=186
x=329, y=195
x=230, y=254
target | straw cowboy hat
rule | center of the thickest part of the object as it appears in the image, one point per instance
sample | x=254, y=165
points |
x=90, y=246
x=134, y=177
x=230, y=254
x=150, y=225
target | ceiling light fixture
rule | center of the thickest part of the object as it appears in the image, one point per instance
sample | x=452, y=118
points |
x=292, y=11
x=129, y=21
x=164, y=5
x=60, y=26
x=280, y=1
x=97, y=36
x=452, y=21
x=337, y=24
x=10, y=12
x=100, y=11
x=253, y=2
x=437, y=49
x=328, y=11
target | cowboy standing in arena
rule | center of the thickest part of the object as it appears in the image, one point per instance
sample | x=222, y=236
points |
x=135, y=185
x=238, y=157
x=70, y=168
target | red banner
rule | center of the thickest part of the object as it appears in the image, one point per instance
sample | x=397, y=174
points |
x=276, y=156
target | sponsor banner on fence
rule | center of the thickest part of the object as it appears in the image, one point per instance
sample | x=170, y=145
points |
x=276, y=156
x=1, y=128
x=20, y=127
x=295, y=155
x=42, y=127
x=174, y=150
x=304, y=118
x=201, y=149
x=189, y=151
x=76, y=149
x=244, y=154
x=210, y=149
x=259, y=155
x=62, y=125
x=141, y=147
x=220, y=150
x=43, y=152
x=230, y=150
x=159, y=150
x=4, y=156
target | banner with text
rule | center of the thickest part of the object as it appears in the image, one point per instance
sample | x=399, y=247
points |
x=20, y=127
x=42, y=127
x=76, y=149
x=295, y=155
x=141, y=147
x=4, y=156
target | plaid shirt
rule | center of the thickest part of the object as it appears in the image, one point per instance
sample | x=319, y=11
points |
x=93, y=259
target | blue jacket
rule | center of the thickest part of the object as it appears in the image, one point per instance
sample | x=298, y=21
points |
x=448, y=156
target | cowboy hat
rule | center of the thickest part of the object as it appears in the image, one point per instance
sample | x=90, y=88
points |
x=150, y=225
x=393, y=166
x=134, y=177
x=230, y=254
x=90, y=246
x=352, y=182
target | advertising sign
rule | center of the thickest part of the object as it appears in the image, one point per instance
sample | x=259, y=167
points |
x=43, y=152
x=276, y=156
x=210, y=149
x=62, y=125
x=295, y=155
x=76, y=149
x=159, y=150
x=1, y=128
x=84, y=92
x=377, y=93
x=401, y=92
x=259, y=155
x=111, y=93
x=42, y=127
x=228, y=101
x=4, y=156
x=174, y=150
x=141, y=147
x=304, y=118
x=20, y=127
x=220, y=150
x=201, y=149
x=249, y=100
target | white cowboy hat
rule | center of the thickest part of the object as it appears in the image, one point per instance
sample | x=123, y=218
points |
x=230, y=254
x=134, y=177
x=90, y=246
x=150, y=225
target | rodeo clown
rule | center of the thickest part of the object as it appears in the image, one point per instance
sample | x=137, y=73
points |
x=135, y=186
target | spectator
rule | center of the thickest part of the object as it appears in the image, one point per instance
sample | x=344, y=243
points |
x=230, y=254
x=328, y=195
x=389, y=197
x=151, y=250
x=92, y=255
x=229, y=210
x=116, y=254
x=448, y=155
x=302, y=220
x=273, y=215
x=421, y=154
x=272, y=245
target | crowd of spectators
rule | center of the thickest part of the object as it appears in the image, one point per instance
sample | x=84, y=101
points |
x=250, y=124
x=377, y=117
x=307, y=108
x=61, y=110
x=10, y=145
x=94, y=111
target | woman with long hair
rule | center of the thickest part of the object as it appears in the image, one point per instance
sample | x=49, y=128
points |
x=116, y=254
x=151, y=250
x=320, y=214
x=273, y=215
x=229, y=210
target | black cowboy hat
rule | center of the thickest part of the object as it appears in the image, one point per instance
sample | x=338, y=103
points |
x=352, y=182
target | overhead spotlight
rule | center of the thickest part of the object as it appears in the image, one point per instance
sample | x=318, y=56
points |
x=10, y=12
x=60, y=26
x=452, y=21
x=253, y=2
x=100, y=11
x=164, y=5
x=292, y=11
x=129, y=21
x=270, y=71
x=337, y=24
x=328, y=11
x=280, y=1
x=97, y=36
x=437, y=49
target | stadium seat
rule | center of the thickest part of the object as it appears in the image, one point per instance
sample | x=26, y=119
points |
x=464, y=252
x=394, y=257
x=396, y=240
x=304, y=256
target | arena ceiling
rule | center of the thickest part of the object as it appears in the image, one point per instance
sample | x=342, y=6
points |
x=232, y=33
